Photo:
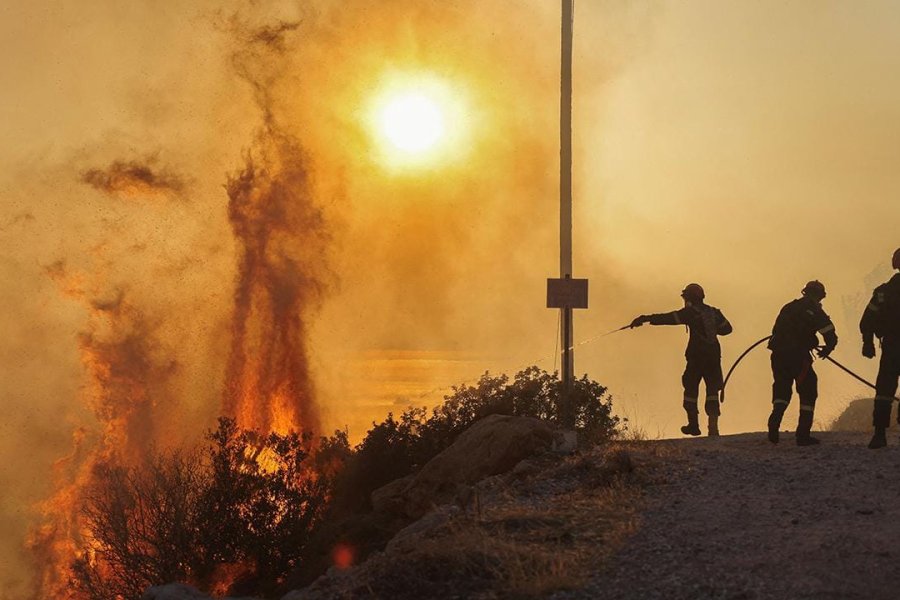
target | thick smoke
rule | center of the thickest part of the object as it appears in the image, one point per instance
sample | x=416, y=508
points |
x=130, y=178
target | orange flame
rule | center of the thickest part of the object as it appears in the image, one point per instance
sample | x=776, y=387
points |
x=282, y=241
x=118, y=358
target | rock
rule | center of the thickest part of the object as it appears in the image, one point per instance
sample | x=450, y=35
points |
x=491, y=446
x=179, y=591
x=389, y=498
x=174, y=591
x=408, y=537
x=525, y=468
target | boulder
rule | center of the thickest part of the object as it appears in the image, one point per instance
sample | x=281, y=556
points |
x=389, y=498
x=491, y=446
x=179, y=591
x=174, y=591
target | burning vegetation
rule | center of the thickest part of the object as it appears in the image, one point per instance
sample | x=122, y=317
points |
x=265, y=502
x=129, y=510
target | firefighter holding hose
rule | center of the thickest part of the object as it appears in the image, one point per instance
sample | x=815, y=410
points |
x=704, y=355
x=792, y=342
x=882, y=319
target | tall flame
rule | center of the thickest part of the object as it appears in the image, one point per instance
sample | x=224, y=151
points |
x=282, y=240
x=282, y=243
x=127, y=383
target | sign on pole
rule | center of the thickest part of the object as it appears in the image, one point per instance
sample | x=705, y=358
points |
x=567, y=293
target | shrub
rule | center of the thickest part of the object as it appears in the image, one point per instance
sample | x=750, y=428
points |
x=857, y=416
x=143, y=527
x=237, y=514
x=396, y=447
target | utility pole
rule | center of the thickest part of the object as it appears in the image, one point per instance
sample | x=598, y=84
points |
x=565, y=202
x=566, y=293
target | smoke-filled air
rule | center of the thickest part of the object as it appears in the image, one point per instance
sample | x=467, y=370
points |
x=304, y=215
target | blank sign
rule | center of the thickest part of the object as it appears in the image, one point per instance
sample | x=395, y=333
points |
x=567, y=293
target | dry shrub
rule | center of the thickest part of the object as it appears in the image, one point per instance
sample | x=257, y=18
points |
x=241, y=509
x=857, y=416
x=142, y=524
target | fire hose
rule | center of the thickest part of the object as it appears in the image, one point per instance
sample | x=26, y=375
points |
x=757, y=343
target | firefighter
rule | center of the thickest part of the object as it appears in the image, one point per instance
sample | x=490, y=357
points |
x=882, y=319
x=793, y=340
x=704, y=355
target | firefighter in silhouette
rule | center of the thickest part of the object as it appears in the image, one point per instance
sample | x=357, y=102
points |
x=704, y=355
x=882, y=319
x=793, y=340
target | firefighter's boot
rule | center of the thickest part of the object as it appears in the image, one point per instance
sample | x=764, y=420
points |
x=881, y=418
x=879, y=440
x=693, y=426
x=713, y=425
x=804, y=424
x=775, y=421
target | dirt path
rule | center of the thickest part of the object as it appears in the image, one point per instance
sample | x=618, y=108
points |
x=739, y=518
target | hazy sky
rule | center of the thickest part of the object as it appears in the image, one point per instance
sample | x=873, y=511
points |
x=748, y=146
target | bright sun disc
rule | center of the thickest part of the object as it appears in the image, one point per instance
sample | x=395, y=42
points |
x=412, y=122
x=418, y=121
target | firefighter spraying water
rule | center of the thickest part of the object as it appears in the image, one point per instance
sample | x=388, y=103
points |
x=704, y=354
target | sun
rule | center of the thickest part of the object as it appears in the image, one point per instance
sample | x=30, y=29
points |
x=412, y=122
x=418, y=120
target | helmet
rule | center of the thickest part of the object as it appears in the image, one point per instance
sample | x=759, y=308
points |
x=896, y=260
x=693, y=292
x=814, y=289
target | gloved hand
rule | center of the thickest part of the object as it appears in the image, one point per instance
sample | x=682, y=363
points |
x=824, y=352
x=638, y=321
x=868, y=349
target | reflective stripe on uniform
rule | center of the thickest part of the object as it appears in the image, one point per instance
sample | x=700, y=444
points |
x=690, y=400
x=777, y=401
x=827, y=328
x=808, y=407
x=884, y=398
x=712, y=398
x=677, y=318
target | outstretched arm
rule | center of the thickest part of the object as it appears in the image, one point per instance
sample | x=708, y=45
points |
x=672, y=318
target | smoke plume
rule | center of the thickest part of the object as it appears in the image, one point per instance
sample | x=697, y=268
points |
x=130, y=178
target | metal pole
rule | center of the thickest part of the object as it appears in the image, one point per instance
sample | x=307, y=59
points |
x=565, y=205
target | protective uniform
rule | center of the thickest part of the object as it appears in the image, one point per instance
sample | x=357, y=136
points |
x=792, y=342
x=703, y=354
x=882, y=319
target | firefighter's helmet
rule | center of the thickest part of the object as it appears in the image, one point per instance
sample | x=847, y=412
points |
x=693, y=292
x=896, y=261
x=814, y=289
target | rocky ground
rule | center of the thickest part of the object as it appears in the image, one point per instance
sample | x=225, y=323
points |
x=739, y=518
x=728, y=518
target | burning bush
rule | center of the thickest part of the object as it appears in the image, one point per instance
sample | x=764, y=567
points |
x=231, y=518
x=248, y=512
